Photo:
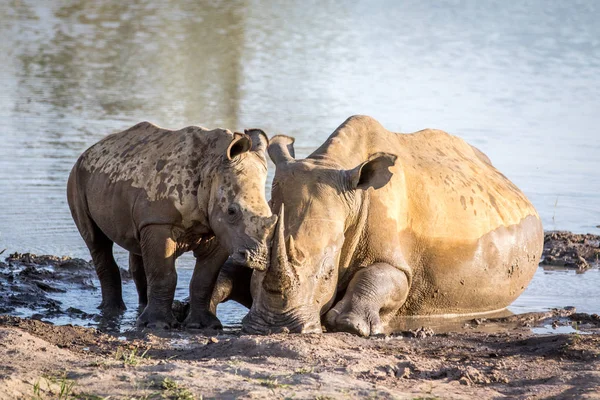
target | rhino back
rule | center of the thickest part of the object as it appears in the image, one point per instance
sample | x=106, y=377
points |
x=472, y=238
x=162, y=162
x=452, y=191
x=147, y=175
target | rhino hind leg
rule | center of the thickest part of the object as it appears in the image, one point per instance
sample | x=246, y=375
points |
x=99, y=245
x=138, y=273
x=375, y=293
x=158, y=255
x=101, y=250
x=109, y=276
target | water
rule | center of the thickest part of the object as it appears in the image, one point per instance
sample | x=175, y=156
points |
x=517, y=79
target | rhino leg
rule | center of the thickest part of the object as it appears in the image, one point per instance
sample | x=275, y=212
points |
x=375, y=292
x=208, y=263
x=158, y=254
x=233, y=284
x=109, y=276
x=100, y=247
x=138, y=273
x=101, y=250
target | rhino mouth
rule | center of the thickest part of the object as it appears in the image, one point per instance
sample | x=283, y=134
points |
x=255, y=258
x=265, y=323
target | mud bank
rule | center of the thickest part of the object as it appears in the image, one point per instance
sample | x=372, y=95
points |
x=571, y=250
x=39, y=359
x=29, y=283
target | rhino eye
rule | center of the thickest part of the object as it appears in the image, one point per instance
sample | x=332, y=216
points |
x=233, y=212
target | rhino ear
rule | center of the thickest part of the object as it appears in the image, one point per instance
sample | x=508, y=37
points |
x=281, y=149
x=240, y=144
x=373, y=173
x=259, y=138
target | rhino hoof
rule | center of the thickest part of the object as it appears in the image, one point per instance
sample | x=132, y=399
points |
x=204, y=321
x=112, y=307
x=147, y=321
x=353, y=323
x=161, y=325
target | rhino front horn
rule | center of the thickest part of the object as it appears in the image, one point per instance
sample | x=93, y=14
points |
x=280, y=276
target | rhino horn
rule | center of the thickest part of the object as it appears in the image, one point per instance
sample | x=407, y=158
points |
x=280, y=276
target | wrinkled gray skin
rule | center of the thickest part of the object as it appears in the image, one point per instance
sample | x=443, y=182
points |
x=376, y=225
x=159, y=193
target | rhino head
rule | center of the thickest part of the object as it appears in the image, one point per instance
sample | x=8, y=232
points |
x=317, y=201
x=239, y=214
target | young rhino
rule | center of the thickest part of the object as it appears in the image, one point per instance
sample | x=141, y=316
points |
x=159, y=193
x=379, y=225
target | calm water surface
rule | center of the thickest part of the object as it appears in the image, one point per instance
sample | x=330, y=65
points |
x=517, y=79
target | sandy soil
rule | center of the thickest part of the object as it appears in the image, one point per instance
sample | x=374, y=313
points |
x=39, y=360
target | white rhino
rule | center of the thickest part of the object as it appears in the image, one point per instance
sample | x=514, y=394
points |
x=159, y=193
x=380, y=225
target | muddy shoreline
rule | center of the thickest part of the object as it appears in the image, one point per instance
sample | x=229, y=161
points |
x=517, y=356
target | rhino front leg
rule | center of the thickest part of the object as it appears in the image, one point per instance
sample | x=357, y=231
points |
x=374, y=292
x=158, y=254
x=233, y=284
x=208, y=264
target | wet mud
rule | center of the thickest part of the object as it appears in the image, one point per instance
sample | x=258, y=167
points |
x=571, y=250
x=28, y=282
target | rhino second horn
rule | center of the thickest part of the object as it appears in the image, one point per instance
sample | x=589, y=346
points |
x=293, y=252
x=280, y=276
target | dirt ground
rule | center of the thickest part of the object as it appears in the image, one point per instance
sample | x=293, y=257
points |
x=39, y=360
x=472, y=358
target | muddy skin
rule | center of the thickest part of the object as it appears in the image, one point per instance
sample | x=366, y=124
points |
x=482, y=359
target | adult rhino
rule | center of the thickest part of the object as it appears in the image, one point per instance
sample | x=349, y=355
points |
x=379, y=225
x=159, y=193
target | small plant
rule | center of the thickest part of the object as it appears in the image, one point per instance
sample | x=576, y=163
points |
x=66, y=386
x=64, y=390
x=271, y=383
x=304, y=370
x=577, y=335
x=37, y=393
x=130, y=357
x=174, y=391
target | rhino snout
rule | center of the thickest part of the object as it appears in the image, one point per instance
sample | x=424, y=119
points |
x=259, y=323
x=255, y=258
